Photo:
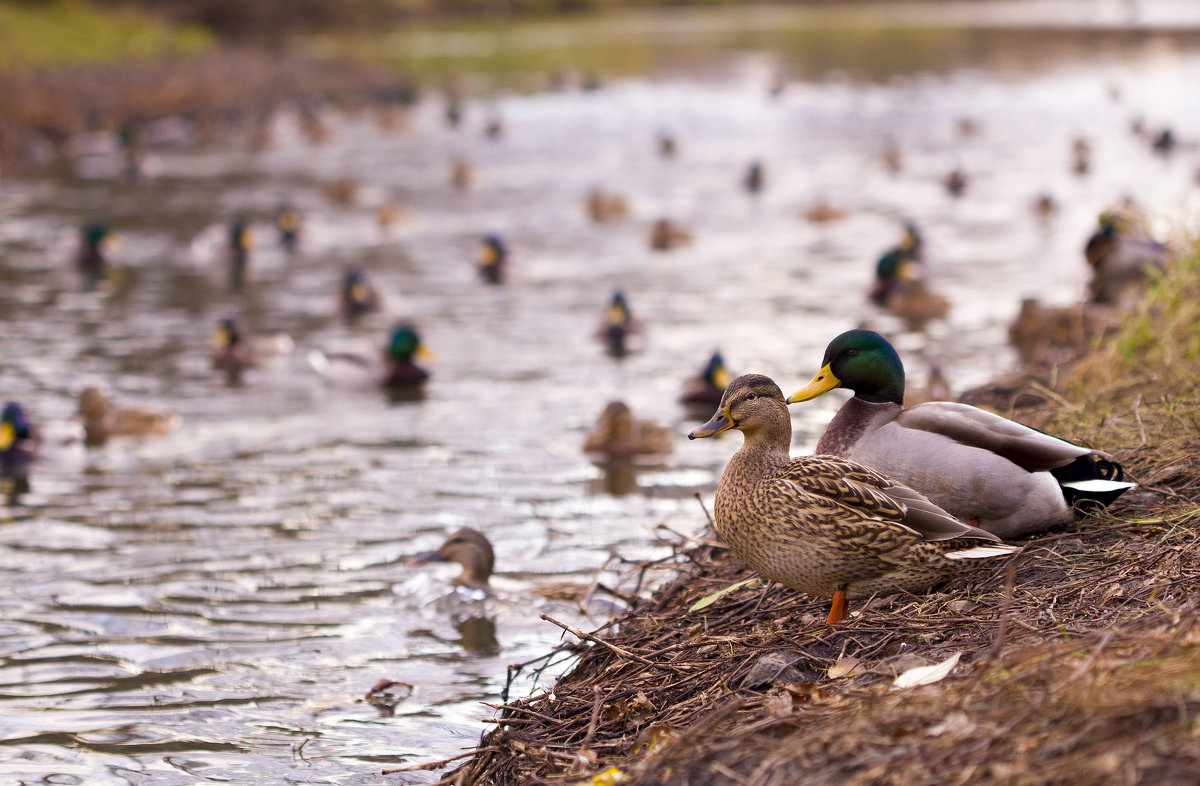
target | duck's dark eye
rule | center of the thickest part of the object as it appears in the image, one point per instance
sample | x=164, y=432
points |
x=750, y=396
x=851, y=353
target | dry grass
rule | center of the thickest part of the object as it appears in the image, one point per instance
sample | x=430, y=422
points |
x=1079, y=662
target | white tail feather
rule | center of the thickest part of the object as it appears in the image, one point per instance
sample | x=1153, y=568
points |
x=1098, y=486
x=983, y=552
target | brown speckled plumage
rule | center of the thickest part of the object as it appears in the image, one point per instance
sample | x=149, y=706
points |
x=823, y=523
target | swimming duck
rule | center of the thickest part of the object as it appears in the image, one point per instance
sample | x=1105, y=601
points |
x=618, y=434
x=233, y=353
x=1000, y=475
x=1121, y=254
x=462, y=174
x=1045, y=335
x=91, y=258
x=493, y=259
x=1081, y=156
x=899, y=285
x=707, y=388
x=359, y=297
x=287, y=222
x=825, y=525
x=618, y=326
x=665, y=235
x=955, y=182
x=395, y=371
x=471, y=549
x=602, y=207
x=343, y=191
x=821, y=212
x=18, y=440
x=753, y=180
x=241, y=240
x=101, y=419
x=667, y=146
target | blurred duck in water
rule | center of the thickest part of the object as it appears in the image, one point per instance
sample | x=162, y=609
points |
x=396, y=370
x=343, y=191
x=618, y=326
x=102, y=419
x=359, y=297
x=241, y=240
x=1122, y=256
x=18, y=441
x=900, y=286
x=955, y=182
x=91, y=258
x=233, y=353
x=287, y=222
x=1081, y=156
x=618, y=434
x=665, y=235
x=493, y=259
x=706, y=389
x=462, y=174
x=602, y=207
x=753, y=180
x=471, y=549
x=997, y=474
x=1045, y=335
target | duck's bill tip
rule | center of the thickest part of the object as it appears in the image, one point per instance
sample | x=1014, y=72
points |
x=822, y=383
x=713, y=427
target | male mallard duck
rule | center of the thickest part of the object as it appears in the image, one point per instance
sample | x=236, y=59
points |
x=1005, y=477
x=287, y=222
x=955, y=182
x=899, y=285
x=471, y=549
x=359, y=297
x=1121, y=254
x=753, y=180
x=493, y=259
x=825, y=525
x=101, y=419
x=619, y=434
x=665, y=235
x=241, y=240
x=708, y=387
x=18, y=440
x=233, y=353
x=90, y=258
x=618, y=326
x=396, y=370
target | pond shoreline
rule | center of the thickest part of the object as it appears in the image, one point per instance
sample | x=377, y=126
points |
x=1077, y=663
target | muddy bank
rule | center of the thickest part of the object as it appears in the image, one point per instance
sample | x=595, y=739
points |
x=46, y=110
x=1078, y=662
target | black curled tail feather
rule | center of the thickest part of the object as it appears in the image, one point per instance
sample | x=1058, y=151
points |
x=1073, y=479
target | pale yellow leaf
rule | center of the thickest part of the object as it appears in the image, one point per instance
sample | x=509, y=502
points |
x=709, y=600
x=927, y=675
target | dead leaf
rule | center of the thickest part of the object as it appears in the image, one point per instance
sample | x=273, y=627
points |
x=844, y=665
x=710, y=599
x=778, y=705
x=956, y=723
x=927, y=675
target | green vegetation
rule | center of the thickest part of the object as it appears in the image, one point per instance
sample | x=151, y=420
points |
x=59, y=32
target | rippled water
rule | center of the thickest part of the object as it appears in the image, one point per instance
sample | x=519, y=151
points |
x=208, y=606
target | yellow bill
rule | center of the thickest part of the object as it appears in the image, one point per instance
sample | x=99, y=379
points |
x=822, y=383
x=8, y=435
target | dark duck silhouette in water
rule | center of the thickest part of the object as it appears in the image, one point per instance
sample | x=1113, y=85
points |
x=359, y=297
x=18, y=441
x=1122, y=255
x=618, y=326
x=471, y=549
x=241, y=240
x=493, y=259
x=825, y=525
x=706, y=389
x=91, y=258
x=402, y=371
x=1006, y=478
x=287, y=223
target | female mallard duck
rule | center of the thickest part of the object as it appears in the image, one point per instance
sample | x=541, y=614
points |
x=101, y=419
x=1005, y=477
x=707, y=388
x=825, y=525
x=619, y=434
x=471, y=549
